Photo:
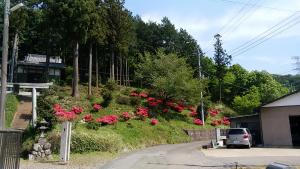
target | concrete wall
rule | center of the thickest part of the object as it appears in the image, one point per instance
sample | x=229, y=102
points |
x=276, y=125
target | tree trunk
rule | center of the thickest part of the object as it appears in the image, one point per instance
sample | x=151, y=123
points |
x=220, y=90
x=113, y=65
x=97, y=69
x=117, y=71
x=13, y=57
x=127, y=73
x=121, y=70
x=90, y=69
x=75, y=91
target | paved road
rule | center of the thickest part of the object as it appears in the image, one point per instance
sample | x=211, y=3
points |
x=189, y=156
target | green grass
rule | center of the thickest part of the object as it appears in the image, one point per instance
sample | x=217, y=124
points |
x=10, y=109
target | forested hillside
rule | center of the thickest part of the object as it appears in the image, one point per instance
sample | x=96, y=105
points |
x=116, y=43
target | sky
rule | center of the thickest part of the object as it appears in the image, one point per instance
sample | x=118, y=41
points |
x=238, y=21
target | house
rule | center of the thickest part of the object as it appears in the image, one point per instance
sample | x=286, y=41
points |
x=33, y=68
x=252, y=122
x=280, y=121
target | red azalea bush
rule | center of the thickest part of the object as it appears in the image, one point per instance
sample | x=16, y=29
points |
x=109, y=119
x=165, y=110
x=88, y=118
x=63, y=115
x=193, y=114
x=179, y=108
x=142, y=112
x=97, y=107
x=226, y=121
x=154, y=122
x=213, y=112
x=192, y=109
x=134, y=94
x=77, y=110
x=143, y=95
x=198, y=122
x=126, y=116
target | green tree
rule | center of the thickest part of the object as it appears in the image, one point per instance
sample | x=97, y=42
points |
x=170, y=77
x=222, y=60
x=247, y=103
x=71, y=19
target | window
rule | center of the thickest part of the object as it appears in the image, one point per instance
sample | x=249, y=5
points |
x=236, y=131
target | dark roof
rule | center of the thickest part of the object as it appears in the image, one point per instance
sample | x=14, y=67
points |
x=284, y=96
x=242, y=116
x=51, y=65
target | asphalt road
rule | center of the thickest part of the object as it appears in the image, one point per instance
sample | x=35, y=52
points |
x=189, y=156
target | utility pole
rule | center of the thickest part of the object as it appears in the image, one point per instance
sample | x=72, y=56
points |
x=4, y=64
x=201, y=94
x=297, y=63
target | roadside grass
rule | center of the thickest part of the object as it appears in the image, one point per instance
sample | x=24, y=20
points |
x=10, y=109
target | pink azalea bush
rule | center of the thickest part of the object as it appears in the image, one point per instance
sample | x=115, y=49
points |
x=88, y=118
x=154, y=122
x=109, y=119
x=97, y=107
x=198, y=122
x=63, y=115
x=77, y=110
x=126, y=116
x=142, y=112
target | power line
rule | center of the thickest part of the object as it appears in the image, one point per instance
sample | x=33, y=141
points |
x=261, y=6
x=232, y=21
x=266, y=35
x=243, y=18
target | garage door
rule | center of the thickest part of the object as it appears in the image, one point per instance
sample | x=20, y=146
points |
x=295, y=129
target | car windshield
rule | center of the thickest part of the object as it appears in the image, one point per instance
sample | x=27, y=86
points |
x=236, y=131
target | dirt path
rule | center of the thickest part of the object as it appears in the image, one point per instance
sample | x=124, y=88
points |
x=23, y=114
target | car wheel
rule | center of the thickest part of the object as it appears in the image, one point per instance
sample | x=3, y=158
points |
x=249, y=146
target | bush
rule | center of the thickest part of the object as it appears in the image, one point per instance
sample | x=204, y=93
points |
x=107, y=97
x=135, y=101
x=111, y=85
x=95, y=141
x=44, y=107
x=123, y=100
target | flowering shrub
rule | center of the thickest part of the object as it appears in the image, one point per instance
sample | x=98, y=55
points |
x=192, y=109
x=134, y=94
x=165, y=110
x=57, y=108
x=142, y=112
x=97, y=107
x=63, y=115
x=193, y=114
x=143, y=95
x=170, y=104
x=198, y=122
x=77, y=110
x=151, y=99
x=126, y=116
x=88, y=118
x=213, y=112
x=179, y=108
x=154, y=122
x=225, y=121
x=109, y=119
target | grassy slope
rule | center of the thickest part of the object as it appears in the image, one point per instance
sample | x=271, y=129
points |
x=134, y=133
x=10, y=109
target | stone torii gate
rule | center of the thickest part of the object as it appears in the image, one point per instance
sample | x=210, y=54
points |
x=33, y=86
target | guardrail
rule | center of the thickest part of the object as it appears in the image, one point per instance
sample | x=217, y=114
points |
x=205, y=134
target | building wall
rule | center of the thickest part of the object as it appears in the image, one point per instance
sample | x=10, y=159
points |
x=276, y=126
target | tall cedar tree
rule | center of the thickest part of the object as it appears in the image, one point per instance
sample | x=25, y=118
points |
x=72, y=20
x=222, y=60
